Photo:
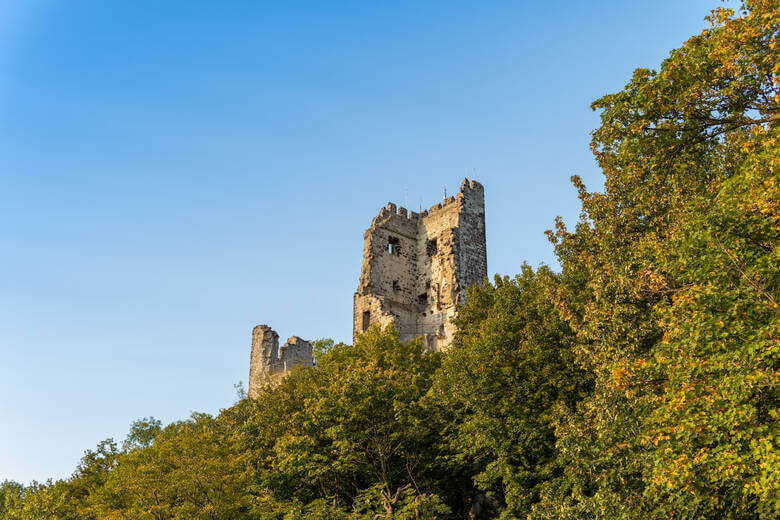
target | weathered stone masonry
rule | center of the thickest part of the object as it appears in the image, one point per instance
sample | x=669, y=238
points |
x=268, y=363
x=417, y=266
x=416, y=269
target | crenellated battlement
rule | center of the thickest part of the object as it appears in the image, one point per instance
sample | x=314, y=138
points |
x=467, y=189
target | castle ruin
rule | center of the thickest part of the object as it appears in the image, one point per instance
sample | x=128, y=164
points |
x=416, y=269
x=268, y=363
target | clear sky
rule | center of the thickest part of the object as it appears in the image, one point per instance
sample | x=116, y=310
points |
x=174, y=173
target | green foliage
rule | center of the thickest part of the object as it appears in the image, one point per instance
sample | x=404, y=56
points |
x=509, y=374
x=63, y=499
x=352, y=438
x=320, y=347
x=10, y=495
x=670, y=282
x=191, y=470
x=354, y=424
x=142, y=433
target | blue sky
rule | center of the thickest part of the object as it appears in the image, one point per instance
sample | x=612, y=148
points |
x=174, y=173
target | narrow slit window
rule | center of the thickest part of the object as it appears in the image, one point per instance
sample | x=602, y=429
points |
x=432, y=247
x=366, y=319
x=396, y=286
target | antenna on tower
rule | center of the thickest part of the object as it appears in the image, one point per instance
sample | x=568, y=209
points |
x=445, y=192
x=406, y=198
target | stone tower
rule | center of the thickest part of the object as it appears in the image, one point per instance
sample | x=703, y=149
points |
x=268, y=363
x=417, y=266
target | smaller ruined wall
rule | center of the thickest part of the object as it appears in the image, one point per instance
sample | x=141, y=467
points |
x=295, y=352
x=269, y=364
x=265, y=349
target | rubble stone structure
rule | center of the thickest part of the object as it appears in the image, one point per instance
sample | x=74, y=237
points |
x=268, y=363
x=417, y=266
x=416, y=269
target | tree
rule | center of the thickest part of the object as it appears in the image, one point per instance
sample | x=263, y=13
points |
x=320, y=347
x=10, y=495
x=670, y=282
x=351, y=436
x=189, y=469
x=61, y=499
x=508, y=373
x=142, y=433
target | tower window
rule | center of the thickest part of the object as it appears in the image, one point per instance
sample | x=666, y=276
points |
x=393, y=246
x=431, y=248
x=366, y=320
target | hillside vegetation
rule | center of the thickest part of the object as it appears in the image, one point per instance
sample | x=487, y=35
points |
x=640, y=382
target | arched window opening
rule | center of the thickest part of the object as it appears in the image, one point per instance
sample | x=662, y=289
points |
x=393, y=246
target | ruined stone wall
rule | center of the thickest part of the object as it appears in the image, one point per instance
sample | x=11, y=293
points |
x=472, y=248
x=268, y=363
x=417, y=266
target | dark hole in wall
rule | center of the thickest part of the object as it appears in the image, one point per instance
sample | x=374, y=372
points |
x=396, y=287
x=393, y=246
x=431, y=248
x=366, y=319
x=422, y=299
